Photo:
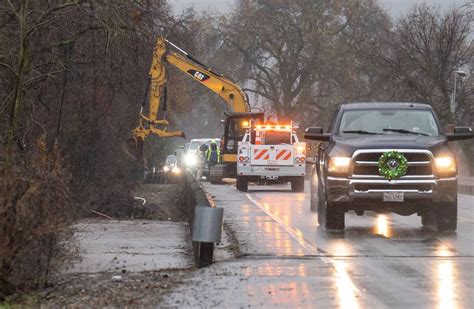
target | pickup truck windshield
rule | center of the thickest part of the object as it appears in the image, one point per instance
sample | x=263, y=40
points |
x=388, y=121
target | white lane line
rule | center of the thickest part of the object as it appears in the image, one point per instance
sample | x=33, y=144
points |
x=305, y=244
x=313, y=250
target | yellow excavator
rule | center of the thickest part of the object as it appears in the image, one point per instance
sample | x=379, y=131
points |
x=235, y=122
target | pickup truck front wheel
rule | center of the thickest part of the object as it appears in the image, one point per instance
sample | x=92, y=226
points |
x=313, y=201
x=447, y=216
x=335, y=216
x=242, y=184
x=330, y=214
x=319, y=205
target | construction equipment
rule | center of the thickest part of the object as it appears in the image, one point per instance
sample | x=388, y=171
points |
x=236, y=99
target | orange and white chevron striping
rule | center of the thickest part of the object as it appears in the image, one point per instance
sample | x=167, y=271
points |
x=261, y=154
x=283, y=154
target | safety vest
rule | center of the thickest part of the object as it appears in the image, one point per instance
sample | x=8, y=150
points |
x=218, y=152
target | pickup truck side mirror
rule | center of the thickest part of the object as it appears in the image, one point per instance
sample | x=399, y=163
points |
x=316, y=134
x=460, y=133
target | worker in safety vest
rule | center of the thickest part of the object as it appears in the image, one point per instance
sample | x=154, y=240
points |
x=213, y=154
x=202, y=161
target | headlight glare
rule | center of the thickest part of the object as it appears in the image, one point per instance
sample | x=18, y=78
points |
x=339, y=165
x=445, y=165
x=190, y=159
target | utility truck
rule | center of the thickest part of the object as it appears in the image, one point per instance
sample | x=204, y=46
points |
x=271, y=153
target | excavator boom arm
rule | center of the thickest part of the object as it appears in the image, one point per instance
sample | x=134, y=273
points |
x=230, y=92
x=219, y=84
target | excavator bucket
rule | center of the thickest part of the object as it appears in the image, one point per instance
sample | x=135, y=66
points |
x=133, y=147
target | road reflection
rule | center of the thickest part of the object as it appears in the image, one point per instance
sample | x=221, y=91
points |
x=382, y=226
x=347, y=292
x=446, y=283
x=286, y=209
x=286, y=293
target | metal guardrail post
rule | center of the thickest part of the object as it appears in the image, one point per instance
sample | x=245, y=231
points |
x=205, y=221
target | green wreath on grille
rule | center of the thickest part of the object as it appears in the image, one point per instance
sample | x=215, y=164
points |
x=392, y=165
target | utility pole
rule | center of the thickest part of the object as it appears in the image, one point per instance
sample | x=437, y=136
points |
x=452, y=106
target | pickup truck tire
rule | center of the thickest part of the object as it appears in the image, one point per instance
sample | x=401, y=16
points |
x=321, y=211
x=318, y=203
x=447, y=216
x=242, y=184
x=297, y=184
x=334, y=216
x=428, y=219
x=313, y=202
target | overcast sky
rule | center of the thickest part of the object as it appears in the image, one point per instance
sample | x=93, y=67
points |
x=395, y=7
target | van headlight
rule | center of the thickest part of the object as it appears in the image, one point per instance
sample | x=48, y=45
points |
x=339, y=165
x=446, y=166
x=176, y=170
x=190, y=160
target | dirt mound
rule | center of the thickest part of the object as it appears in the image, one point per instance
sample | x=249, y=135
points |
x=147, y=201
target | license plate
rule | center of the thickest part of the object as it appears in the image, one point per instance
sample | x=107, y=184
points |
x=272, y=162
x=272, y=169
x=393, y=197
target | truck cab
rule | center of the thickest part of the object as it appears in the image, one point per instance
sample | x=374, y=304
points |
x=271, y=153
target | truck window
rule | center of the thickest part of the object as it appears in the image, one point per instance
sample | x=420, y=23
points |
x=277, y=137
x=194, y=145
x=389, y=121
x=171, y=159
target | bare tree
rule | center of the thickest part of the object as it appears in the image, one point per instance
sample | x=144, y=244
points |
x=73, y=75
x=303, y=56
x=425, y=48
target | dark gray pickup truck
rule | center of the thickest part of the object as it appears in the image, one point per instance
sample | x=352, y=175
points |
x=385, y=157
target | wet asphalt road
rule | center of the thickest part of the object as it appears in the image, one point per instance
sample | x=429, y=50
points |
x=395, y=256
x=380, y=261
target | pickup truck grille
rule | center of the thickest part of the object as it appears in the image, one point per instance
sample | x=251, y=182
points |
x=419, y=164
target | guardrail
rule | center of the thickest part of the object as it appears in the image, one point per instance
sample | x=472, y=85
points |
x=205, y=221
x=466, y=185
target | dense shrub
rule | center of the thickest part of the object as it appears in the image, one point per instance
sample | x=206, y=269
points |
x=35, y=210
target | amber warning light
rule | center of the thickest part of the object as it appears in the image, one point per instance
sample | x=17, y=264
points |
x=274, y=127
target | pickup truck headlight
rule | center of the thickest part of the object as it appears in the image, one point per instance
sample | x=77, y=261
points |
x=446, y=166
x=339, y=165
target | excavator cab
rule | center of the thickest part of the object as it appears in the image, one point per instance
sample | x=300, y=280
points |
x=235, y=126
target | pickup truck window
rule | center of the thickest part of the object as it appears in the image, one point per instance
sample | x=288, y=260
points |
x=388, y=121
